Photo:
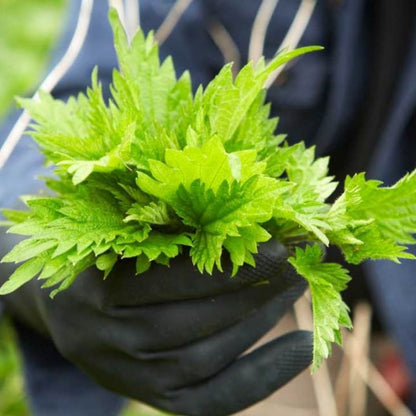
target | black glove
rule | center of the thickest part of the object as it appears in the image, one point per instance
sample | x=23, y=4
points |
x=172, y=337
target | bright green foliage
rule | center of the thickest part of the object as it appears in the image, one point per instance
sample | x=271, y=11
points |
x=155, y=169
x=303, y=204
x=326, y=281
x=370, y=221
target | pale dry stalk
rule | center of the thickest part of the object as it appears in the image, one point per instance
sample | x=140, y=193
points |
x=294, y=34
x=132, y=8
x=171, y=20
x=359, y=351
x=259, y=29
x=342, y=380
x=379, y=386
x=356, y=353
x=321, y=380
x=225, y=44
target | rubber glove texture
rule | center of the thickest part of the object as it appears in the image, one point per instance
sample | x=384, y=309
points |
x=174, y=338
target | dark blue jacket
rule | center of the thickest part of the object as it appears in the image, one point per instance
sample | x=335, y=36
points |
x=356, y=101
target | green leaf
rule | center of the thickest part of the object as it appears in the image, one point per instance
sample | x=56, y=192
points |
x=155, y=245
x=326, y=281
x=27, y=249
x=15, y=216
x=23, y=274
x=210, y=164
x=373, y=222
x=227, y=102
x=206, y=251
x=242, y=247
x=106, y=262
x=142, y=263
x=156, y=213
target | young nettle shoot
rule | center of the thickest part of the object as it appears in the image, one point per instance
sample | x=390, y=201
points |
x=158, y=168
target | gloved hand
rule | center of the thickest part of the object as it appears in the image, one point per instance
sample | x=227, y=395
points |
x=171, y=337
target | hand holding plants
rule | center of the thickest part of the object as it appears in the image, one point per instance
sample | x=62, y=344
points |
x=172, y=337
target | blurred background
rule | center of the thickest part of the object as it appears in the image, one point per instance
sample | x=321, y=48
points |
x=367, y=379
x=24, y=50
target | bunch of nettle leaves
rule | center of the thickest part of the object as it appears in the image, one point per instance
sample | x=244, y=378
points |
x=158, y=168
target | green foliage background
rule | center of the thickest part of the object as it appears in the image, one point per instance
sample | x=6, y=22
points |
x=27, y=28
x=27, y=31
